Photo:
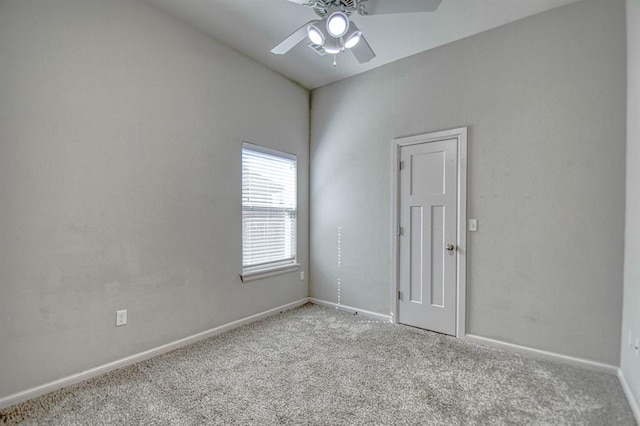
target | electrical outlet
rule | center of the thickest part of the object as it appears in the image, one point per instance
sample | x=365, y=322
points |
x=301, y=275
x=121, y=318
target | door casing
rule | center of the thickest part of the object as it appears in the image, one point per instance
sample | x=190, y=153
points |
x=460, y=134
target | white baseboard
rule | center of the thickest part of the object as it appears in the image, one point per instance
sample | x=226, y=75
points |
x=627, y=391
x=351, y=310
x=538, y=353
x=93, y=372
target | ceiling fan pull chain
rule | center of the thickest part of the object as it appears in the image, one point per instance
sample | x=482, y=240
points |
x=335, y=61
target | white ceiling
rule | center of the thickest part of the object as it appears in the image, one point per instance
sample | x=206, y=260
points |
x=253, y=27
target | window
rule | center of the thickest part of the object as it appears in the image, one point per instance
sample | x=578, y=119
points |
x=268, y=212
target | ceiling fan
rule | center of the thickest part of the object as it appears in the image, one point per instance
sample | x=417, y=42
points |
x=334, y=32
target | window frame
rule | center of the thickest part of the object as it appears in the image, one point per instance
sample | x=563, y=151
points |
x=273, y=268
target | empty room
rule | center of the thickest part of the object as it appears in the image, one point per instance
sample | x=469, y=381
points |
x=320, y=212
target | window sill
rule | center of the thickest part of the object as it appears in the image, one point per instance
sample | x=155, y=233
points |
x=268, y=272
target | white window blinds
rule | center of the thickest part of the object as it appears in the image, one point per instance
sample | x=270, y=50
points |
x=268, y=208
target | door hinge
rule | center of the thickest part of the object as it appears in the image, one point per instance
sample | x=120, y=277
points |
x=400, y=231
x=401, y=165
x=399, y=295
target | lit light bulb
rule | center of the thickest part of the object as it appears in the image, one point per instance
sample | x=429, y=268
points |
x=337, y=24
x=315, y=35
x=333, y=46
x=355, y=39
x=352, y=36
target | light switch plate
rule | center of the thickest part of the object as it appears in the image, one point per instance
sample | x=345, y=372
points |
x=473, y=225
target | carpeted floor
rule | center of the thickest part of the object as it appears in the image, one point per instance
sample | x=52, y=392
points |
x=314, y=365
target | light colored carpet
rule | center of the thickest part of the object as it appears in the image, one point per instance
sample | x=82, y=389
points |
x=314, y=365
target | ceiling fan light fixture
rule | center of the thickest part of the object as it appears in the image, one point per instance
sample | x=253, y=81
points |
x=315, y=35
x=333, y=46
x=337, y=24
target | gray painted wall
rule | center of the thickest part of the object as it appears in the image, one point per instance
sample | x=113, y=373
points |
x=120, y=142
x=544, y=99
x=631, y=314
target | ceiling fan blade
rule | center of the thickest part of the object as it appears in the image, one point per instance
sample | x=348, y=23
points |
x=362, y=51
x=381, y=7
x=300, y=2
x=292, y=41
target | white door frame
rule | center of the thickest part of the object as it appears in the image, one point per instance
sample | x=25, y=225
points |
x=461, y=254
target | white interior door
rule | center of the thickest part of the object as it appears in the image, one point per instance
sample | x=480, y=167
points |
x=428, y=235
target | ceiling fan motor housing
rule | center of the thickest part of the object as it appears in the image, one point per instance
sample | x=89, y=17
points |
x=325, y=7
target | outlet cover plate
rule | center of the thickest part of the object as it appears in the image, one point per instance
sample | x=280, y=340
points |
x=121, y=318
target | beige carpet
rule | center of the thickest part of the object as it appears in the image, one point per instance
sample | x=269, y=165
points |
x=315, y=365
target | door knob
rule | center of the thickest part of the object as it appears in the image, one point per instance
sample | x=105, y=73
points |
x=450, y=247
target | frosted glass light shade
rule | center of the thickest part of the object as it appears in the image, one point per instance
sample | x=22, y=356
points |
x=333, y=46
x=353, y=40
x=315, y=35
x=337, y=24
